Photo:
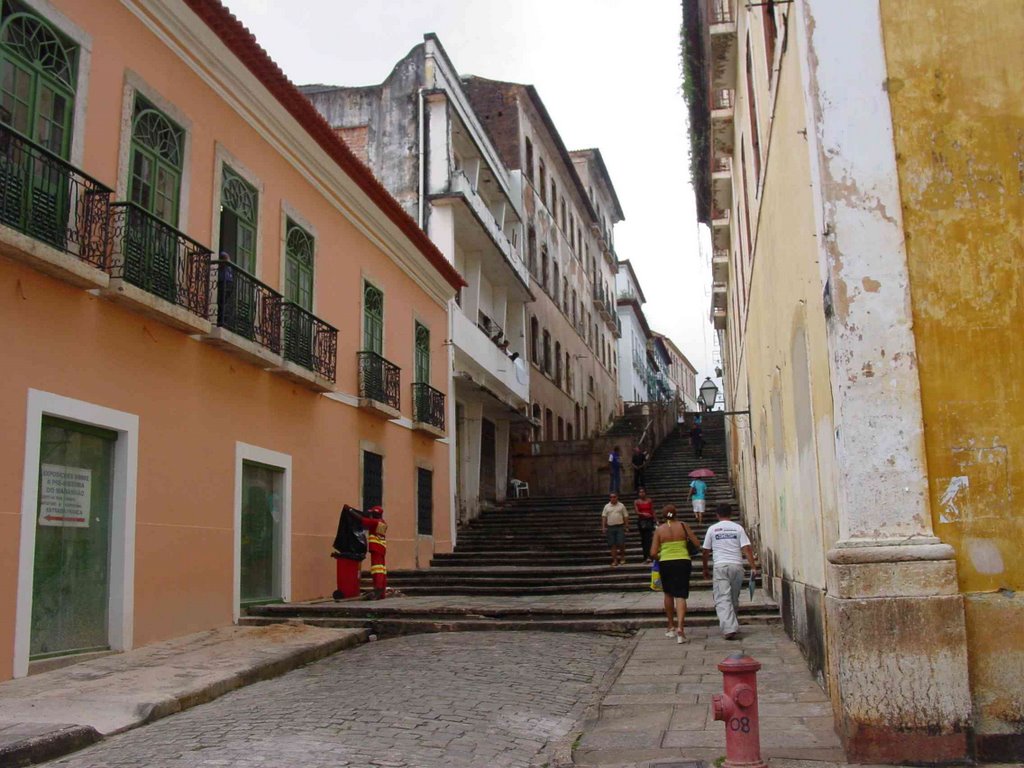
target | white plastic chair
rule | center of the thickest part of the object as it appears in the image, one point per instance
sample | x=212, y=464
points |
x=518, y=487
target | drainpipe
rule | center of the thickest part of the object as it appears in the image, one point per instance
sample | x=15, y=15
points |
x=422, y=137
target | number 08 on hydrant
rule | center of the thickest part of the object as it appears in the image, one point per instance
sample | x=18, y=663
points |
x=737, y=708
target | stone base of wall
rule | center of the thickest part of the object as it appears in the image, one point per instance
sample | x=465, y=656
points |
x=897, y=650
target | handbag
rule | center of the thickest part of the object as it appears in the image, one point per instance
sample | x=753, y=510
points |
x=655, y=577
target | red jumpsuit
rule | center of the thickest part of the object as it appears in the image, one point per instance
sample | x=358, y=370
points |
x=378, y=546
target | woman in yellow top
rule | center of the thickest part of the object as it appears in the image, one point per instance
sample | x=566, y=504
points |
x=669, y=549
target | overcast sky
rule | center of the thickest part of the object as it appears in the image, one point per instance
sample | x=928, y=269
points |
x=608, y=72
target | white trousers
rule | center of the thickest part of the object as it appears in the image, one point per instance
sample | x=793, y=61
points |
x=726, y=583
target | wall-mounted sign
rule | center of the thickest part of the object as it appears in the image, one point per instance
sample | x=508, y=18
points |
x=64, y=495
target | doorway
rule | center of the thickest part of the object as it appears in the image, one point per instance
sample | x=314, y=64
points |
x=262, y=533
x=71, y=565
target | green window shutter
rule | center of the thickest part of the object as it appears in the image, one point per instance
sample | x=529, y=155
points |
x=422, y=353
x=373, y=319
x=239, y=204
x=157, y=159
x=298, y=274
x=38, y=71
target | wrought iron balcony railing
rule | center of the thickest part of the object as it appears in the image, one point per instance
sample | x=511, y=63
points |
x=720, y=11
x=722, y=99
x=309, y=341
x=245, y=306
x=379, y=379
x=154, y=256
x=50, y=200
x=427, y=405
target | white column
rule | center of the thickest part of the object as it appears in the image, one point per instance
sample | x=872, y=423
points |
x=502, y=428
x=470, y=435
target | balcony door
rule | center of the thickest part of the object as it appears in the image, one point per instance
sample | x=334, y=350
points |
x=236, y=294
x=298, y=291
x=38, y=69
x=154, y=186
x=71, y=572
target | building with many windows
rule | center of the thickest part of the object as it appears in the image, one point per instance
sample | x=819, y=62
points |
x=569, y=211
x=859, y=165
x=680, y=373
x=210, y=304
x=633, y=348
x=420, y=137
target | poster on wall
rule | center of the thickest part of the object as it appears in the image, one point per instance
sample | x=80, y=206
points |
x=64, y=495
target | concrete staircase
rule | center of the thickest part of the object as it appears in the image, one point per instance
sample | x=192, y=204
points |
x=534, y=562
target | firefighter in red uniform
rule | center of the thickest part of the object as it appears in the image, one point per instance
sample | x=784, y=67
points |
x=373, y=522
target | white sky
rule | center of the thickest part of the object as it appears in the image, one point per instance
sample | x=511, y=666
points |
x=608, y=72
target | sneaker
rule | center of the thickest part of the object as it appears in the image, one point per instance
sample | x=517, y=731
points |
x=681, y=639
x=670, y=633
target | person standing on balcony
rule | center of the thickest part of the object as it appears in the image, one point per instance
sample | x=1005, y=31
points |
x=614, y=525
x=639, y=461
x=646, y=522
x=615, y=465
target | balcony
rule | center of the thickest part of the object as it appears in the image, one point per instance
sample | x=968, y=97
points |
x=379, y=385
x=720, y=266
x=309, y=348
x=722, y=114
x=428, y=409
x=719, y=295
x=477, y=230
x=602, y=304
x=720, y=233
x=158, y=270
x=718, y=318
x=721, y=183
x=487, y=363
x=246, y=315
x=55, y=217
x=722, y=27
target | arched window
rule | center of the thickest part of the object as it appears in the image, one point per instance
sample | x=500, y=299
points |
x=298, y=260
x=38, y=73
x=531, y=251
x=238, y=207
x=555, y=283
x=558, y=363
x=157, y=160
x=547, y=353
x=544, y=267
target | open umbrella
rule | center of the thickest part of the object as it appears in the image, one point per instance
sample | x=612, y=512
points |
x=702, y=473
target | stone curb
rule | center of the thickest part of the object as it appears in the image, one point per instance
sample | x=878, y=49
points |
x=48, y=745
x=62, y=740
x=559, y=753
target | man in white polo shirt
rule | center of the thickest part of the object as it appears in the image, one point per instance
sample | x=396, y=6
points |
x=728, y=542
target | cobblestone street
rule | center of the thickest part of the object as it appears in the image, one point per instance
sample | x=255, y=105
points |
x=469, y=699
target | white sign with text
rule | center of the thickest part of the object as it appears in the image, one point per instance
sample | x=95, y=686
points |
x=64, y=495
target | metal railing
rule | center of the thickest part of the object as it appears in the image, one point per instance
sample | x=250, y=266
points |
x=50, y=200
x=379, y=379
x=245, y=306
x=722, y=99
x=154, y=256
x=309, y=341
x=720, y=11
x=427, y=405
x=722, y=164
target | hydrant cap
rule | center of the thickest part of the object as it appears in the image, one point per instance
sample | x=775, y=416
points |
x=739, y=662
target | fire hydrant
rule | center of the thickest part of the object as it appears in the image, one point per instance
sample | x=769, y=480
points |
x=737, y=708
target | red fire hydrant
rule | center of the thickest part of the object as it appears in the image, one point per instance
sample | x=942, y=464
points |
x=737, y=708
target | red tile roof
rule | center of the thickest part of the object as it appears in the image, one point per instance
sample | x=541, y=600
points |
x=241, y=42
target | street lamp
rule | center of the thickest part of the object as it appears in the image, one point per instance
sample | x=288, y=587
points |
x=708, y=394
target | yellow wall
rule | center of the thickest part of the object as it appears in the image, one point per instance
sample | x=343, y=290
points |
x=958, y=112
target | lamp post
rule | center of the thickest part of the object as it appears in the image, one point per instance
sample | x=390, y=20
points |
x=708, y=394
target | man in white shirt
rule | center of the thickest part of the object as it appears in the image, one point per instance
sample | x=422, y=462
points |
x=728, y=542
x=615, y=525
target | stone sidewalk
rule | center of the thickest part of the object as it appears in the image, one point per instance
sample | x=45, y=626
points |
x=52, y=713
x=658, y=711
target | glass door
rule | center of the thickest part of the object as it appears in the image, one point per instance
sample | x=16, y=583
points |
x=71, y=574
x=262, y=488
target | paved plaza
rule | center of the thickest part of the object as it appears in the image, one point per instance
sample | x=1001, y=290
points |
x=464, y=700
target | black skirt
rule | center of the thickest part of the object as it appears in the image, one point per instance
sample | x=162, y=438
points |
x=675, y=577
